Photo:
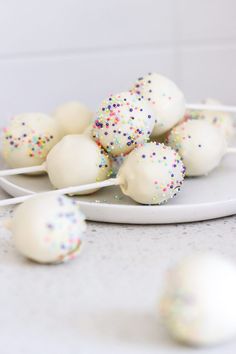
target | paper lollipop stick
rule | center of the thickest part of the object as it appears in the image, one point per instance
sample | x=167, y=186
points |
x=22, y=170
x=69, y=190
x=205, y=107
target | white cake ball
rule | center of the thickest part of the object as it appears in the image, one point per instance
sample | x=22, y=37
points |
x=73, y=117
x=151, y=174
x=48, y=228
x=123, y=121
x=198, y=303
x=77, y=160
x=165, y=98
x=28, y=139
x=222, y=120
x=200, y=144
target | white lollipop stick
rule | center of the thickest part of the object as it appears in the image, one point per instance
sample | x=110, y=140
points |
x=68, y=190
x=205, y=107
x=22, y=170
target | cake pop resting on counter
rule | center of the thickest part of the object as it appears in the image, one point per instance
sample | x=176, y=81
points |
x=198, y=301
x=48, y=228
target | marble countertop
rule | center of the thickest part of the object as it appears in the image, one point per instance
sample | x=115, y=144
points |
x=105, y=302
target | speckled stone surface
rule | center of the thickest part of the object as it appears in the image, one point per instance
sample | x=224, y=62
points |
x=105, y=302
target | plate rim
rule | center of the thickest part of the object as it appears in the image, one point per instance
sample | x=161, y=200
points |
x=5, y=181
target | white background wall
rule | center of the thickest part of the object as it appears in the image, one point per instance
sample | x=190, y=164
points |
x=55, y=50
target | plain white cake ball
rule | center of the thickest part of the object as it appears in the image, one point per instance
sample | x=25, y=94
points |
x=48, y=228
x=151, y=174
x=72, y=117
x=164, y=97
x=77, y=160
x=200, y=144
x=222, y=120
x=123, y=122
x=198, y=302
x=28, y=139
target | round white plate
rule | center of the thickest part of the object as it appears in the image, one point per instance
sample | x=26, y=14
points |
x=201, y=198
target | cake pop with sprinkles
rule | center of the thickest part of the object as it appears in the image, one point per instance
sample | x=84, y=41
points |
x=75, y=160
x=28, y=139
x=197, y=306
x=164, y=97
x=151, y=174
x=222, y=120
x=123, y=122
x=200, y=144
x=48, y=228
x=72, y=117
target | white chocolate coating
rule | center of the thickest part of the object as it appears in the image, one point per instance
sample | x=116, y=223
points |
x=123, y=122
x=28, y=139
x=77, y=160
x=165, y=98
x=200, y=144
x=48, y=228
x=198, y=302
x=72, y=117
x=222, y=120
x=151, y=174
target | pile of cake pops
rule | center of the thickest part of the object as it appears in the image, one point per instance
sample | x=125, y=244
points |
x=144, y=138
x=147, y=142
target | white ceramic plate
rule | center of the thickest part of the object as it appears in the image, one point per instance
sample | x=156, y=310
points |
x=202, y=198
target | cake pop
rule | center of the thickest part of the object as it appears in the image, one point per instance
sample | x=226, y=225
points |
x=222, y=120
x=28, y=139
x=164, y=97
x=48, y=228
x=151, y=174
x=198, y=301
x=123, y=121
x=72, y=117
x=75, y=160
x=200, y=144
